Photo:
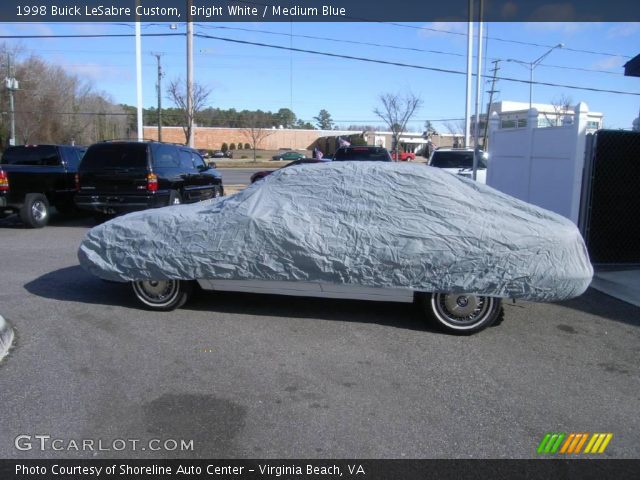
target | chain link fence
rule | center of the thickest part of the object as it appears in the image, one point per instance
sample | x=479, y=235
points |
x=611, y=209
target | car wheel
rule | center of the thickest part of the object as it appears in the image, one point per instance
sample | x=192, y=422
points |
x=174, y=198
x=35, y=211
x=215, y=193
x=162, y=295
x=462, y=313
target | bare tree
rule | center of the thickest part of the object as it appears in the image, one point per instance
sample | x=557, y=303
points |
x=178, y=95
x=256, y=131
x=396, y=111
x=562, y=105
x=53, y=106
x=457, y=130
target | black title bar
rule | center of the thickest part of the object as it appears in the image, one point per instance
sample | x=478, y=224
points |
x=277, y=469
x=173, y=11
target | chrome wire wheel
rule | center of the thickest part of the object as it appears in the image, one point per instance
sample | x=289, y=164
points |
x=39, y=211
x=463, y=312
x=157, y=293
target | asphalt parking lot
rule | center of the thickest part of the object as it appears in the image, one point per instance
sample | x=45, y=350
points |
x=265, y=376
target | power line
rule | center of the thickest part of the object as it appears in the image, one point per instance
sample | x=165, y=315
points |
x=355, y=42
x=395, y=47
x=335, y=55
x=70, y=113
x=95, y=35
x=329, y=39
x=451, y=32
x=506, y=40
x=406, y=65
x=395, y=24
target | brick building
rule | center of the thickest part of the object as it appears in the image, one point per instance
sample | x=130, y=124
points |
x=212, y=138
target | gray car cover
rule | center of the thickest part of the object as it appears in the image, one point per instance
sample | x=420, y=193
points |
x=375, y=224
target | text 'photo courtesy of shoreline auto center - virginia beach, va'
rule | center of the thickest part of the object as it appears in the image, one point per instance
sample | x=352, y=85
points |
x=319, y=239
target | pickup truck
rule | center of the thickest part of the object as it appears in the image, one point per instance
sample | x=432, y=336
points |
x=404, y=156
x=35, y=177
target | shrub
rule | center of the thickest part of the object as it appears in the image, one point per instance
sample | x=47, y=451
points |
x=232, y=146
x=357, y=140
x=258, y=156
x=224, y=147
x=244, y=156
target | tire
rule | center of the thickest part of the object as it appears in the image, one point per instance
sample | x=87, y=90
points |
x=174, y=198
x=216, y=192
x=162, y=295
x=35, y=211
x=460, y=313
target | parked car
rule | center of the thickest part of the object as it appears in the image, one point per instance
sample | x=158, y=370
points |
x=459, y=161
x=290, y=156
x=404, y=156
x=121, y=177
x=204, y=153
x=367, y=230
x=260, y=175
x=221, y=154
x=362, y=153
x=35, y=177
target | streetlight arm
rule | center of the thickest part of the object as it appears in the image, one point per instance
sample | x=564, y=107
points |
x=536, y=62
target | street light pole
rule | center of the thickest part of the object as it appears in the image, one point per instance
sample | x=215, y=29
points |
x=467, y=110
x=139, y=77
x=190, y=115
x=533, y=65
x=476, y=131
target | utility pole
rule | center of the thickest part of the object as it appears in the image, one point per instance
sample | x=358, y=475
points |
x=467, y=110
x=490, y=92
x=12, y=85
x=159, y=87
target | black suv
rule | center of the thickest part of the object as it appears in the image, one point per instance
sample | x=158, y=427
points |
x=121, y=177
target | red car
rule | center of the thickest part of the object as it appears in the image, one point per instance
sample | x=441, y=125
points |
x=260, y=175
x=404, y=156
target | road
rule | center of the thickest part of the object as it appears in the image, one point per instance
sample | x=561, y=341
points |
x=239, y=176
x=273, y=377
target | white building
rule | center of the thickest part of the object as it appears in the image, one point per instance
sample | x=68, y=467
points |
x=515, y=114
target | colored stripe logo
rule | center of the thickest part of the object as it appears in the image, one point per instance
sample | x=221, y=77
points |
x=573, y=443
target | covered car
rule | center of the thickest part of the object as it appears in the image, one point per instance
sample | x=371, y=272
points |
x=375, y=230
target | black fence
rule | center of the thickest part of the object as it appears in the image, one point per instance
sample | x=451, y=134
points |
x=611, y=206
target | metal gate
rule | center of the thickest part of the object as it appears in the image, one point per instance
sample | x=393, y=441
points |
x=610, y=213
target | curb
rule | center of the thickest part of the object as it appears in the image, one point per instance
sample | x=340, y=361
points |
x=6, y=337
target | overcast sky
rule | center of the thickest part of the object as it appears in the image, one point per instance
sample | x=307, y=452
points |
x=257, y=77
